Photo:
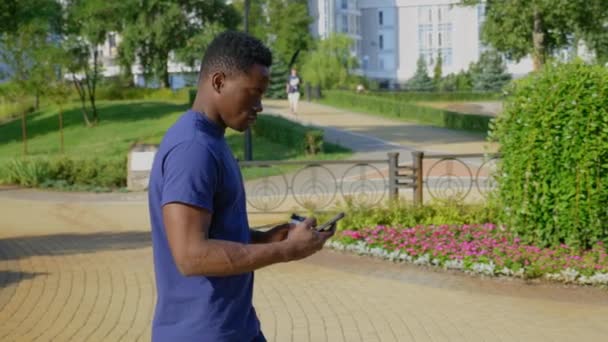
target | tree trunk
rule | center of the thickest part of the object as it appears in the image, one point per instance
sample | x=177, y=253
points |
x=91, y=84
x=162, y=70
x=24, y=131
x=60, y=129
x=165, y=77
x=82, y=95
x=128, y=75
x=538, y=37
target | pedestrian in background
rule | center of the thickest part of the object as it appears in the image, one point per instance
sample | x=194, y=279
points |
x=293, y=91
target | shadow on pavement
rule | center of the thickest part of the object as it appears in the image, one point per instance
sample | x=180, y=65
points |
x=9, y=277
x=65, y=244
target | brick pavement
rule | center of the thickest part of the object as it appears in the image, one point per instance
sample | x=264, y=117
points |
x=78, y=267
x=82, y=271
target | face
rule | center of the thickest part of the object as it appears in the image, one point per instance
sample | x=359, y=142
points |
x=293, y=72
x=240, y=98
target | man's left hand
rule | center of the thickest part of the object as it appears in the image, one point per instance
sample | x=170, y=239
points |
x=278, y=233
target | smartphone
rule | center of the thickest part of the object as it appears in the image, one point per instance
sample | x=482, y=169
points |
x=329, y=224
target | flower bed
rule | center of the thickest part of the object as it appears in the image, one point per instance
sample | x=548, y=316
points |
x=482, y=249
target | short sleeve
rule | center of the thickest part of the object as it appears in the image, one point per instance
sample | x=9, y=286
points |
x=190, y=176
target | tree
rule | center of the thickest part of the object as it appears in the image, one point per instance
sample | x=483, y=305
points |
x=540, y=27
x=59, y=93
x=88, y=27
x=15, y=14
x=421, y=80
x=330, y=64
x=437, y=71
x=464, y=81
x=490, y=73
x=58, y=90
x=278, y=76
x=154, y=30
x=258, y=18
x=26, y=30
x=289, y=27
x=281, y=24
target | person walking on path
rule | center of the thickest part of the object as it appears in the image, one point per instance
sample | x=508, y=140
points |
x=293, y=91
x=204, y=251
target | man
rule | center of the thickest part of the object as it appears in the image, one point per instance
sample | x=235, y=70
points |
x=293, y=91
x=204, y=252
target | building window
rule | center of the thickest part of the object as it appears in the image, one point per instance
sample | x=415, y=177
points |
x=381, y=64
x=344, y=4
x=381, y=42
x=425, y=15
x=439, y=10
x=380, y=18
x=344, y=23
x=446, y=56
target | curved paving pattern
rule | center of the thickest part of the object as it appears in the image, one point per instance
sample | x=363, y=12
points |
x=83, y=272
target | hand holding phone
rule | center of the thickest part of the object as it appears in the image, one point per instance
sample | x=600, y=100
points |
x=329, y=225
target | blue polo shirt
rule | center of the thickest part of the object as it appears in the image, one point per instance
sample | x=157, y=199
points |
x=195, y=166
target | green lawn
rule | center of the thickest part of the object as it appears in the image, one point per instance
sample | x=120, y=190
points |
x=121, y=124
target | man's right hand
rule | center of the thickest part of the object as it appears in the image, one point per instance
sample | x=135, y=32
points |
x=303, y=240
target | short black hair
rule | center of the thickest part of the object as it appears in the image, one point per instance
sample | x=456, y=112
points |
x=233, y=51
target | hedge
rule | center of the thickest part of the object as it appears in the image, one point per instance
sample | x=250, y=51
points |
x=62, y=171
x=396, y=108
x=438, y=96
x=553, y=177
x=282, y=131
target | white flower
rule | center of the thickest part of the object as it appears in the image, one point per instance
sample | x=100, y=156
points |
x=482, y=268
x=569, y=274
x=454, y=264
x=599, y=278
x=423, y=260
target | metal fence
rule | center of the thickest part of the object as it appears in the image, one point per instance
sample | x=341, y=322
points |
x=277, y=186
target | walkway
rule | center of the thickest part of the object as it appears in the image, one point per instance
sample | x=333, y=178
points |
x=368, y=134
x=78, y=267
x=81, y=270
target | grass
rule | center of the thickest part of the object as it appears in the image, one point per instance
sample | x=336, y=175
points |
x=123, y=123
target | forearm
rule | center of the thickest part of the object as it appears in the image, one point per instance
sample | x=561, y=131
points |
x=225, y=258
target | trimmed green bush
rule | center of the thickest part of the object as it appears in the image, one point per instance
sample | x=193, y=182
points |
x=109, y=173
x=553, y=179
x=411, y=96
x=114, y=92
x=281, y=131
x=397, y=108
x=408, y=214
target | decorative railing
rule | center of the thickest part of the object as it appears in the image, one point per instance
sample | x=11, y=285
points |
x=285, y=185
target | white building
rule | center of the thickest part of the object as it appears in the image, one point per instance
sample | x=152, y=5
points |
x=336, y=16
x=394, y=33
x=180, y=75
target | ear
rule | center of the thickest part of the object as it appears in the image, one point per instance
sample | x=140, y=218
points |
x=217, y=81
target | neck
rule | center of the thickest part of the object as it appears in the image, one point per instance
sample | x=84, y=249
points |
x=204, y=104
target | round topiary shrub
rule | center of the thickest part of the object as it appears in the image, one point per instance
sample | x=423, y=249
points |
x=553, y=177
